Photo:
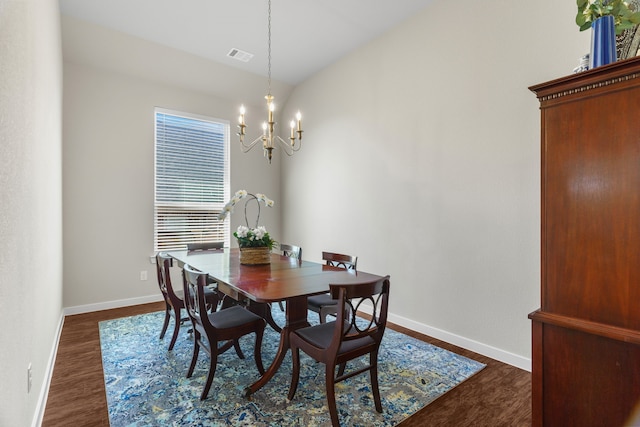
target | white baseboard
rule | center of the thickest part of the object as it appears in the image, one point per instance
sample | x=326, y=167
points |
x=44, y=390
x=466, y=343
x=79, y=309
x=46, y=383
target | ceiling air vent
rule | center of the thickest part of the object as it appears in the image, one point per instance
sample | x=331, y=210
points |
x=240, y=55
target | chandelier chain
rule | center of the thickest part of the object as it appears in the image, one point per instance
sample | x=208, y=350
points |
x=269, y=47
x=269, y=137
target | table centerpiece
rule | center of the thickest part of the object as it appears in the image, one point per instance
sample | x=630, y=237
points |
x=255, y=243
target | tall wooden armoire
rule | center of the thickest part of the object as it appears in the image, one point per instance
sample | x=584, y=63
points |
x=586, y=334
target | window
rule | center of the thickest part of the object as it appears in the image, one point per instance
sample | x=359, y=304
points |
x=191, y=179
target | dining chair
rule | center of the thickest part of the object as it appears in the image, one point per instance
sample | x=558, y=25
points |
x=204, y=246
x=323, y=304
x=348, y=337
x=290, y=251
x=174, y=298
x=223, y=326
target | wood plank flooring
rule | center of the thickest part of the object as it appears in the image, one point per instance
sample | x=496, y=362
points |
x=500, y=395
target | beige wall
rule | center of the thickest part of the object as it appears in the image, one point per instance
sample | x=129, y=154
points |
x=109, y=100
x=30, y=207
x=429, y=134
x=422, y=157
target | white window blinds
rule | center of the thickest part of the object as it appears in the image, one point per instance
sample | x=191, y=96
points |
x=191, y=179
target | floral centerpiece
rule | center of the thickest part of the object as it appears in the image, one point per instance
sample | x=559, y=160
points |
x=255, y=242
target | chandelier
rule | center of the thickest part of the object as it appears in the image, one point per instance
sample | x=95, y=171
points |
x=269, y=138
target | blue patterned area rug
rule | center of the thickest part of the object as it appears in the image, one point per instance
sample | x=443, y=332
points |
x=146, y=384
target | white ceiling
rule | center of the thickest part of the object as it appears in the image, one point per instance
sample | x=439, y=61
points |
x=307, y=35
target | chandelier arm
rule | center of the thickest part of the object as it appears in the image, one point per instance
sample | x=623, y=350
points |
x=287, y=147
x=247, y=147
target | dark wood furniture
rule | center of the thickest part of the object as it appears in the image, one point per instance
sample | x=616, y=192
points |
x=292, y=251
x=324, y=304
x=586, y=334
x=223, y=326
x=174, y=298
x=205, y=246
x=284, y=279
x=336, y=343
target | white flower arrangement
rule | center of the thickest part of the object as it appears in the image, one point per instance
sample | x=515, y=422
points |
x=239, y=195
x=249, y=237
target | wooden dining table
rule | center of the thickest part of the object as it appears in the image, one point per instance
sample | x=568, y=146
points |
x=283, y=279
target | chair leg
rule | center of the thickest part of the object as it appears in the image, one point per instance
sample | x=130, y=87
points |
x=295, y=374
x=176, y=328
x=326, y=310
x=331, y=393
x=227, y=302
x=341, y=369
x=257, y=351
x=194, y=357
x=236, y=345
x=167, y=315
x=213, y=362
x=373, y=362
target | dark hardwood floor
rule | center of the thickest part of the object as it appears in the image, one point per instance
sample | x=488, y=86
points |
x=499, y=395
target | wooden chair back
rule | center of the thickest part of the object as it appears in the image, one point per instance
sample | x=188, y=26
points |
x=350, y=298
x=204, y=246
x=163, y=269
x=195, y=302
x=348, y=262
x=291, y=251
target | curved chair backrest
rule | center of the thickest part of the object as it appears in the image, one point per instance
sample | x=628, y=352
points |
x=350, y=297
x=348, y=262
x=194, y=282
x=291, y=251
x=163, y=268
x=204, y=246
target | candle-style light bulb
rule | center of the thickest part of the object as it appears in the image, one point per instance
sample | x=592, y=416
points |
x=299, y=118
x=242, y=110
x=293, y=125
x=272, y=107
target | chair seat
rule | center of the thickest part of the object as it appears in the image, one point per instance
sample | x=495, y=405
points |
x=232, y=317
x=321, y=335
x=320, y=301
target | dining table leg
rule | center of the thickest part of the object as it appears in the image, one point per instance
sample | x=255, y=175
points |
x=296, y=318
x=263, y=310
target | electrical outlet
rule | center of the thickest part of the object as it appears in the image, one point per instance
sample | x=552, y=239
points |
x=29, y=378
x=143, y=275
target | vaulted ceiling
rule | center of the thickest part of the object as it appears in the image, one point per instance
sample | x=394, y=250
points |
x=307, y=35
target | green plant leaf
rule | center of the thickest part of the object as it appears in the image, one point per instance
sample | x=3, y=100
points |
x=590, y=10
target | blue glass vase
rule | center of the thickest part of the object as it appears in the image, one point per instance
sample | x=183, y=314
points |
x=603, y=42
